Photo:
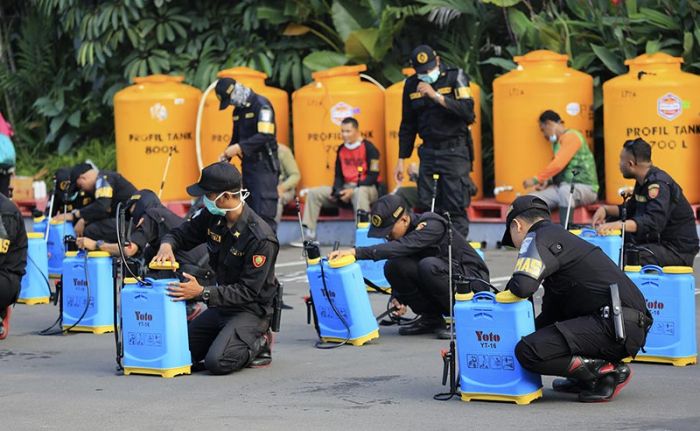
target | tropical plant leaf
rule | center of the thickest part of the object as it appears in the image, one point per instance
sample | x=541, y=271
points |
x=321, y=60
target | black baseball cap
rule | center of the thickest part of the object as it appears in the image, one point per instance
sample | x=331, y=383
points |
x=224, y=88
x=519, y=206
x=384, y=213
x=216, y=178
x=423, y=58
x=62, y=178
x=76, y=172
x=142, y=200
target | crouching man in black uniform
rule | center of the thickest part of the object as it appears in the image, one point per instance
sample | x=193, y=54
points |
x=13, y=259
x=417, y=263
x=234, y=331
x=576, y=335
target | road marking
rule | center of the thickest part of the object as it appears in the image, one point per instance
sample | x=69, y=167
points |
x=288, y=264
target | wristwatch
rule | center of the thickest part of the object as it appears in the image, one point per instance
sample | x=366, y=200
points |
x=99, y=244
x=205, y=294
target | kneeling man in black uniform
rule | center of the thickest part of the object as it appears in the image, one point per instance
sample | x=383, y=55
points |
x=593, y=315
x=416, y=266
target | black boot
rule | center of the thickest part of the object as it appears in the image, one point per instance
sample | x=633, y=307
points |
x=263, y=358
x=444, y=333
x=608, y=386
x=426, y=324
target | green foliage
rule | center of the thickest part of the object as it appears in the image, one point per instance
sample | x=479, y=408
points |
x=61, y=61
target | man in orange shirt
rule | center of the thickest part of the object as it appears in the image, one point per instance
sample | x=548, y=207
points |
x=572, y=162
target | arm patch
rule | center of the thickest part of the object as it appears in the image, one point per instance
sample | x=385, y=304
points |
x=529, y=262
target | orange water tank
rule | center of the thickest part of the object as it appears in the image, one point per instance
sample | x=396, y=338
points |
x=217, y=125
x=318, y=109
x=393, y=98
x=152, y=117
x=661, y=104
x=541, y=81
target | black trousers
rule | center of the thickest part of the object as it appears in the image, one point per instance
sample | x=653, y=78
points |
x=656, y=254
x=8, y=296
x=105, y=230
x=453, y=193
x=261, y=180
x=420, y=283
x=225, y=340
x=549, y=349
x=5, y=184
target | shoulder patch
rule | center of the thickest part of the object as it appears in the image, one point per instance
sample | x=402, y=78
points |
x=374, y=165
x=259, y=260
x=4, y=246
x=266, y=114
x=653, y=191
x=529, y=262
x=463, y=93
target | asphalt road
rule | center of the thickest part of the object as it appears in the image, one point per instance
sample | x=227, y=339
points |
x=69, y=383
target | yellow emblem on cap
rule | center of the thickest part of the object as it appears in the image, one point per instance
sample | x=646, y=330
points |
x=376, y=220
x=63, y=186
x=229, y=89
x=422, y=57
x=135, y=197
x=398, y=212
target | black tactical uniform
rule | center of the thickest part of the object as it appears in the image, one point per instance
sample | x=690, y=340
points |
x=99, y=214
x=666, y=234
x=417, y=267
x=151, y=221
x=575, y=335
x=447, y=147
x=13, y=258
x=254, y=131
x=230, y=333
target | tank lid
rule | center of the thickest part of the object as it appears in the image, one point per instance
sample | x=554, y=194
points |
x=341, y=261
x=99, y=254
x=507, y=297
x=130, y=280
x=241, y=71
x=678, y=270
x=541, y=55
x=339, y=71
x=158, y=79
x=164, y=266
x=475, y=245
x=656, y=58
x=35, y=235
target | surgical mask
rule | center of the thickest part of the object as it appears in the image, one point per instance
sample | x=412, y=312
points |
x=239, y=95
x=353, y=145
x=431, y=76
x=215, y=210
x=553, y=139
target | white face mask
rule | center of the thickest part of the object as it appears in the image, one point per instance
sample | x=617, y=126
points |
x=353, y=145
x=239, y=95
x=430, y=77
x=553, y=139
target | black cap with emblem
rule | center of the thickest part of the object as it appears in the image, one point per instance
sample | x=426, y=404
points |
x=216, y=178
x=142, y=200
x=423, y=58
x=384, y=213
x=224, y=88
x=62, y=178
x=519, y=206
x=76, y=172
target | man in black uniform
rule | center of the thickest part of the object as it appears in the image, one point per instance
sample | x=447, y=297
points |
x=13, y=259
x=104, y=190
x=576, y=333
x=417, y=263
x=253, y=140
x=437, y=105
x=234, y=331
x=659, y=218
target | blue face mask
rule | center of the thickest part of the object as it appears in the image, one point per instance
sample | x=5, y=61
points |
x=431, y=76
x=210, y=205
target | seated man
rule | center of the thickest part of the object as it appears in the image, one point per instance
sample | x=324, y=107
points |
x=289, y=178
x=659, y=218
x=234, y=331
x=13, y=259
x=353, y=154
x=416, y=268
x=573, y=162
x=409, y=193
x=106, y=190
x=575, y=334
